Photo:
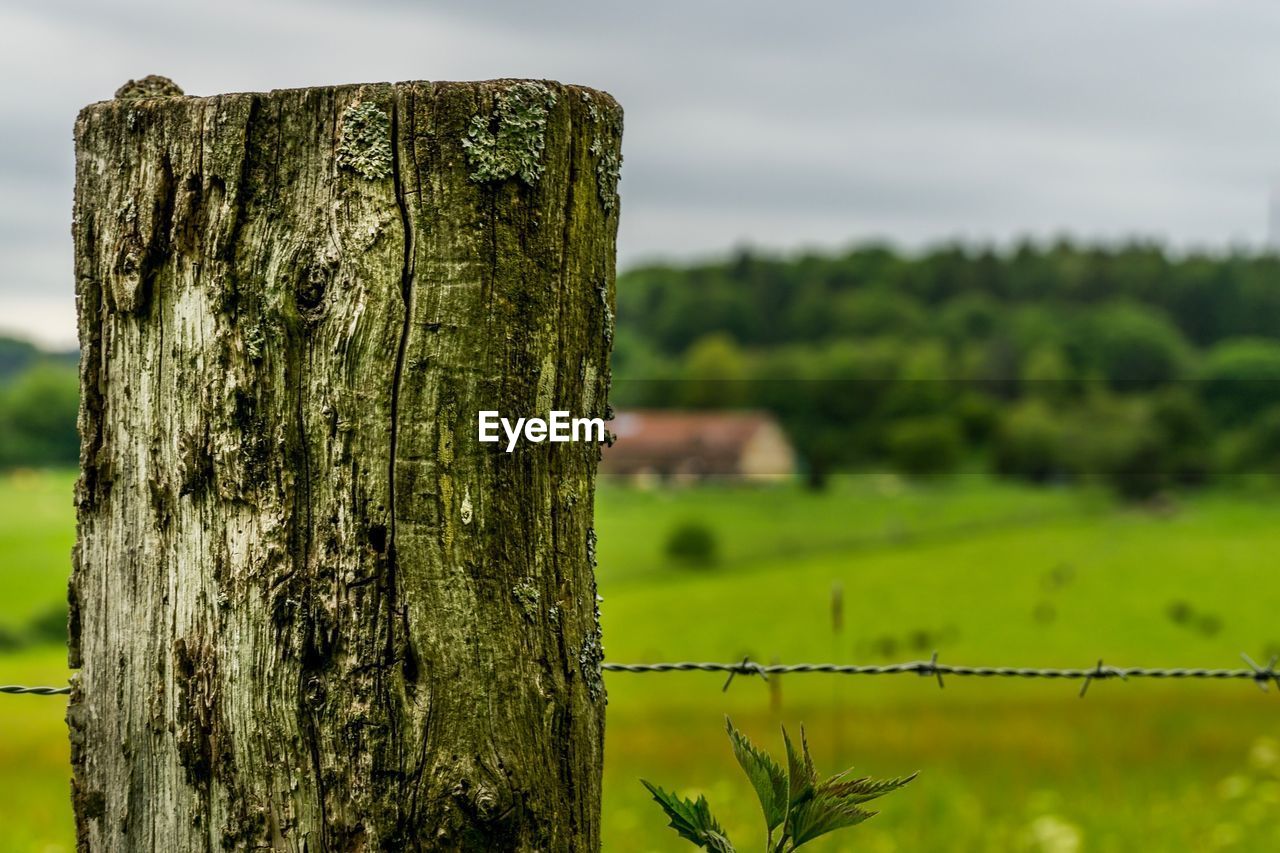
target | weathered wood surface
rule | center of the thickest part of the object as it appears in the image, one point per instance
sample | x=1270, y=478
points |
x=309, y=610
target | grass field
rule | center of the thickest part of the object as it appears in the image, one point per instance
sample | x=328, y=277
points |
x=37, y=530
x=986, y=573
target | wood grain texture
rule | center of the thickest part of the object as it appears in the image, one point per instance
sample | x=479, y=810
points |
x=310, y=611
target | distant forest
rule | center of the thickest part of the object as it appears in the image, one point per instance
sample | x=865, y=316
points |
x=1046, y=362
x=1051, y=363
x=38, y=402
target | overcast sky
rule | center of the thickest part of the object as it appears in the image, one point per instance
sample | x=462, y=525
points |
x=781, y=125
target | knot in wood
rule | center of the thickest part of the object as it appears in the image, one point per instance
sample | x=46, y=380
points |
x=151, y=86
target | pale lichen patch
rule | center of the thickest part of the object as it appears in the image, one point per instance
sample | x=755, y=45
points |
x=509, y=143
x=528, y=597
x=608, y=173
x=589, y=376
x=546, y=385
x=606, y=147
x=602, y=290
x=365, y=147
x=589, y=659
x=445, y=491
x=254, y=340
x=445, y=488
x=591, y=653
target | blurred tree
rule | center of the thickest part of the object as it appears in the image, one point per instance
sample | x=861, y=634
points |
x=1029, y=443
x=925, y=446
x=1047, y=375
x=714, y=374
x=1135, y=348
x=1241, y=378
x=15, y=356
x=877, y=312
x=1113, y=441
x=1253, y=450
x=925, y=383
x=38, y=417
x=1183, y=424
x=970, y=317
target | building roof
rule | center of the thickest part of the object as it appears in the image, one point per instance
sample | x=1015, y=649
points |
x=702, y=442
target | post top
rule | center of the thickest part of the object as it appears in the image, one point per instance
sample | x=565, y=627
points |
x=155, y=86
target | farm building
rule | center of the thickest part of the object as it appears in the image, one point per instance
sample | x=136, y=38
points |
x=685, y=446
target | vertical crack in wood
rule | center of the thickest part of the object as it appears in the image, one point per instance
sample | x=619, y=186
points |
x=407, y=297
x=302, y=359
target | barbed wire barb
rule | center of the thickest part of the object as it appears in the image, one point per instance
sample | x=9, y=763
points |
x=1101, y=671
x=931, y=668
x=747, y=667
x=1263, y=675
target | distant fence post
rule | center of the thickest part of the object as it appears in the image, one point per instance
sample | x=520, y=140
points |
x=310, y=611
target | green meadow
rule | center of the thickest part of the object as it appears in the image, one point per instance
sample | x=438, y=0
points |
x=984, y=572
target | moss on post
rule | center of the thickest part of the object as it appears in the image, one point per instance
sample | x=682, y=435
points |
x=310, y=610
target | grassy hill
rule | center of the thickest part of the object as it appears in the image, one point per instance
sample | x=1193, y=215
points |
x=985, y=572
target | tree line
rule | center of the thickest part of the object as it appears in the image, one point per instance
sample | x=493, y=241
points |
x=1047, y=362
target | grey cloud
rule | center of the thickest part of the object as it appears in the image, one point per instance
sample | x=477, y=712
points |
x=747, y=122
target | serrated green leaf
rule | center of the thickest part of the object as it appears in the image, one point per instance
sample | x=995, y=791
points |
x=717, y=843
x=821, y=814
x=835, y=803
x=795, y=799
x=801, y=775
x=692, y=820
x=767, y=777
x=861, y=790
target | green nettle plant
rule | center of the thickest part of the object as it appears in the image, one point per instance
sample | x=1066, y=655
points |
x=794, y=802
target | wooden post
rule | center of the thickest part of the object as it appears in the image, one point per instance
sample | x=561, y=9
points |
x=309, y=609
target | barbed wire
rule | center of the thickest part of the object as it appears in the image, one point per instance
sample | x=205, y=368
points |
x=1263, y=676
x=1260, y=675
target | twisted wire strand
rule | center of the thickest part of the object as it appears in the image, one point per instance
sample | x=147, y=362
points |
x=20, y=690
x=925, y=668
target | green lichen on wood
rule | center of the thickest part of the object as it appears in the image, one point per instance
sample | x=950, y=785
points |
x=590, y=657
x=510, y=142
x=366, y=141
x=591, y=654
x=602, y=289
x=527, y=596
x=605, y=145
x=608, y=173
